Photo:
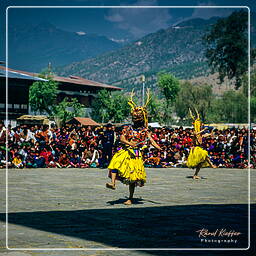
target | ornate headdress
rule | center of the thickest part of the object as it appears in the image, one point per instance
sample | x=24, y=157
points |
x=139, y=113
x=197, y=122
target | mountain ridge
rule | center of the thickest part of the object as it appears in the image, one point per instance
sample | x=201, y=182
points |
x=178, y=49
x=42, y=43
x=165, y=49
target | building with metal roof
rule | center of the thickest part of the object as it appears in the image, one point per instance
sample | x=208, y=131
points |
x=84, y=121
x=18, y=91
x=17, y=75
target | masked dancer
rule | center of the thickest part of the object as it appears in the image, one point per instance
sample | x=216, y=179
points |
x=198, y=157
x=127, y=164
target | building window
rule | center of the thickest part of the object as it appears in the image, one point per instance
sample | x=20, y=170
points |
x=2, y=105
x=24, y=106
x=16, y=106
x=9, y=105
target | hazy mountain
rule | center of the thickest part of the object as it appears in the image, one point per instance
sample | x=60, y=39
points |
x=177, y=49
x=198, y=22
x=32, y=47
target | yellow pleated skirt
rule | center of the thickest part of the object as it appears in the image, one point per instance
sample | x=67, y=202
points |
x=129, y=166
x=197, y=156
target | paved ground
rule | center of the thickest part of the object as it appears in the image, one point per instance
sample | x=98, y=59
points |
x=71, y=208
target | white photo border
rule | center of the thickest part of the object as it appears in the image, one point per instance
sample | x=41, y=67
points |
x=133, y=249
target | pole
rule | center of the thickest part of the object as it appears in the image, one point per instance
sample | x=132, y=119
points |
x=143, y=93
x=143, y=89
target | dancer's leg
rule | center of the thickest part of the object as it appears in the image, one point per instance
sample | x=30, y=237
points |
x=112, y=184
x=131, y=191
x=210, y=163
x=195, y=176
x=113, y=177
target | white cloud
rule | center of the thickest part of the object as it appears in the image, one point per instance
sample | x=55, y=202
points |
x=206, y=13
x=116, y=17
x=119, y=40
x=140, y=21
x=81, y=33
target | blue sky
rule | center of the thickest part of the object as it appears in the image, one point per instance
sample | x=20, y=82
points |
x=118, y=23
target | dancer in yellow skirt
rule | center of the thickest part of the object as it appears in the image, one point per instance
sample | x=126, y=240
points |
x=198, y=157
x=127, y=164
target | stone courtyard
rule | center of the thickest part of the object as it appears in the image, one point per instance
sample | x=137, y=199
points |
x=72, y=209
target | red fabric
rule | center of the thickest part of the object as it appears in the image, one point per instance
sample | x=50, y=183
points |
x=47, y=155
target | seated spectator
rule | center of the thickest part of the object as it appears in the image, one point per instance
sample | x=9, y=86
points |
x=169, y=160
x=23, y=152
x=39, y=146
x=74, y=160
x=30, y=160
x=47, y=155
x=17, y=161
x=95, y=157
x=3, y=161
x=63, y=161
x=154, y=161
x=86, y=158
x=39, y=161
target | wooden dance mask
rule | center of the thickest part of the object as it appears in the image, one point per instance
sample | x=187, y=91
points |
x=196, y=120
x=139, y=113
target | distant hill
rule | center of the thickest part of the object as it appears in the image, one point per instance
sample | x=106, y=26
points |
x=32, y=47
x=177, y=49
x=198, y=22
x=213, y=80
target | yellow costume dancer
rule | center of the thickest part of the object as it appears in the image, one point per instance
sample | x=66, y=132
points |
x=127, y=164
x=198, y=157
x=128, y=161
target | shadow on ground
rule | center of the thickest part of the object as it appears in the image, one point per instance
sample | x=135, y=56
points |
x=201, y=177
x=135, y=201
x=148, y=227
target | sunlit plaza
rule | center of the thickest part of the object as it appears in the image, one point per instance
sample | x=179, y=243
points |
x=72, y=208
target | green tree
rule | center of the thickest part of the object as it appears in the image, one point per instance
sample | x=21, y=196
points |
x=169, y=86
x=43, y=96
x=155, y=109
x=183, y=100
x=110, y=107
x=232, y=107
x=67, y=109
x=253, y=109
x=252, y=91
x=245, y=83
x=100, y=106
x=194, y=96
x=213, y=114
x=119, y=108
x=227, y=45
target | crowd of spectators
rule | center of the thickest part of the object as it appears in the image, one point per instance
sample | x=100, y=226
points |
x=82, y=147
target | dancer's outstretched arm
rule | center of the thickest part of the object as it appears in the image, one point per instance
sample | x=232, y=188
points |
x=125, y=141
x=206, y=135
x=153, y=142
x=197, y=133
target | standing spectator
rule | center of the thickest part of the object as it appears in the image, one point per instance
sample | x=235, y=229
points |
x=95, y=157
x=2, y=134
x=107, y=144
